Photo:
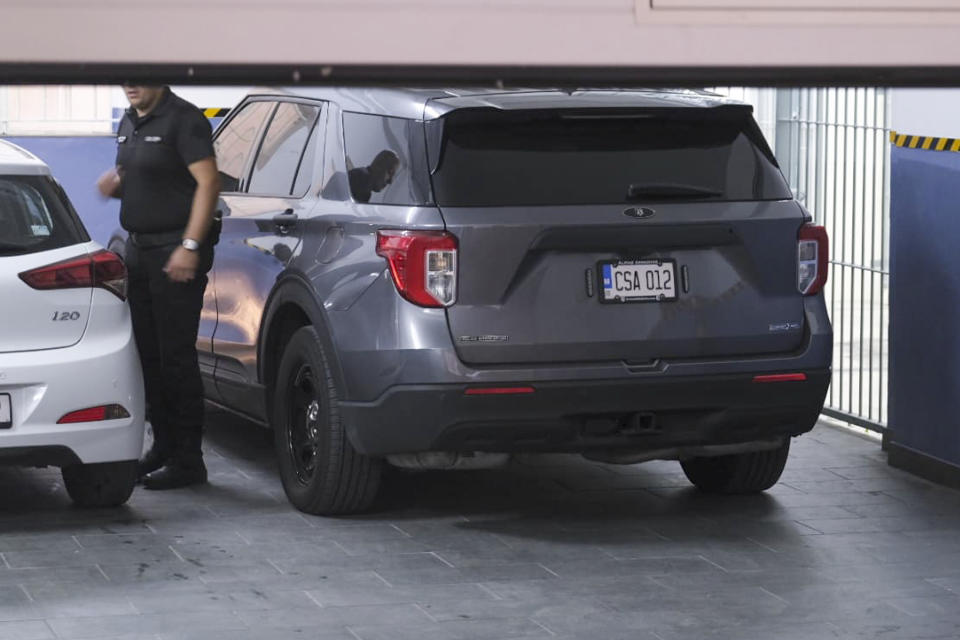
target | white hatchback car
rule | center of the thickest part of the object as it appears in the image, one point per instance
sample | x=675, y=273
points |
x=71, y=390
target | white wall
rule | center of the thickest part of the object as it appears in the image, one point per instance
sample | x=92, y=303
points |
x=203, y=97
x=88, y=110
x=85, y=109
x=55, y=110
x=926, y=112
x=764, y=103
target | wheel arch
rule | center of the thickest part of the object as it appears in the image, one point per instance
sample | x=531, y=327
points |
x=292, y=304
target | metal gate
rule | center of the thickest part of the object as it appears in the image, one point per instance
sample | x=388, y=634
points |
x=832, y=146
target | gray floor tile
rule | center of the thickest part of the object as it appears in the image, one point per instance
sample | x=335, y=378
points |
x=545, y=609
x=227, y=600
x=262, y=633
x=554, y=546
x=452, y=575
x=457, y=630
x=328, y=617
x=27, y=630
x=107, y=626
x=375, y=591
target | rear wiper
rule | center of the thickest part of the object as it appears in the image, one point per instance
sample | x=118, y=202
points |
x=669, y=190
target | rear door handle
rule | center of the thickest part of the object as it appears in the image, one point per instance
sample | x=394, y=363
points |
x=285, y=220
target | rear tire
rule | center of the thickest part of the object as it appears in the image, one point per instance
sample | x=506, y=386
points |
x=108, y=484
x=322, y=473
x=738, y=473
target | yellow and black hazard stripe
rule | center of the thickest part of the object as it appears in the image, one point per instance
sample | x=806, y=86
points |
x=215, y=113
x=926, y=143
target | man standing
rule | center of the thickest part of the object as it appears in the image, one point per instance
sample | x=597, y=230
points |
x=166, y=179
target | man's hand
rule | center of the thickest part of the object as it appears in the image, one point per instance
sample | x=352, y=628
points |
x=109, y=183
x=182, y=265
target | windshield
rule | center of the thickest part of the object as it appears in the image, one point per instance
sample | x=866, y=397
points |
x=487, y=157
x=35, y=216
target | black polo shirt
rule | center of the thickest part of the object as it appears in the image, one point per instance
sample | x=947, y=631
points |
x=153, y=153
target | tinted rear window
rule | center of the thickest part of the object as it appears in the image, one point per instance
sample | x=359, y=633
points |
x=386, y=160
x=35, y=215
x=490, y=158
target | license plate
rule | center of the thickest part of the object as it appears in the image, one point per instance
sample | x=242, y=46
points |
x=6, y=411
x=638, y=281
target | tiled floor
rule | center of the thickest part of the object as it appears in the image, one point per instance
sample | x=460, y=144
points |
x=843, y=547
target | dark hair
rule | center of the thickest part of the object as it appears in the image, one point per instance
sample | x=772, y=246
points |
x=385, y=160
x=134, y=82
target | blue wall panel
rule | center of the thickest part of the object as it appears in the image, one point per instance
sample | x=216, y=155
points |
x=77, y=162
x=925, y=302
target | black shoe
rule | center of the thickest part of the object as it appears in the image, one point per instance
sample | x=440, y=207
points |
x=150, y=462
x=175, y=476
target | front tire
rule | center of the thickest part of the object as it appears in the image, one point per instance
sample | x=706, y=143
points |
x=322, y=473
x=738, y=473
x=107, y=484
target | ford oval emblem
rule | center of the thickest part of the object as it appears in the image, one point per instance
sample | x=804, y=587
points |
x=638, y=212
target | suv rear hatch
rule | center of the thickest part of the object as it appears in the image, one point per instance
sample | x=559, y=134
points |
x=616, y=234
x=38, y=228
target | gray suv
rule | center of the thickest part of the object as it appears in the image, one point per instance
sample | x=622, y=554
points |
x=439, y=278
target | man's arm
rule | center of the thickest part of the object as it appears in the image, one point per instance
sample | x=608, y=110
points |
x=109, y=183
x=204, y=199
x=183, y=263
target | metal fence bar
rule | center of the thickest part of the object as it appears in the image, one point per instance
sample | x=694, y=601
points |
x=842, y=187
x=862, y=135
x=832, y=145
x=832, y=210
x=885, y=262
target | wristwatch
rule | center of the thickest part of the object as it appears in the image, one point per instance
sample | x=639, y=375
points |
x=190, y=244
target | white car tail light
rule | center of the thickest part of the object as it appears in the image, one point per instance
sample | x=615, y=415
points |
x=103, y=269
x=812, y=259
x=423, y=265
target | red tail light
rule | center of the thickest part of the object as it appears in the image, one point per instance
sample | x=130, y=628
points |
x=423, y=265
x=95, y=414
x=813, y=251
x=103, y=269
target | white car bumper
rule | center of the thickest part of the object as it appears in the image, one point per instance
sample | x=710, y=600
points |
x=102, y=369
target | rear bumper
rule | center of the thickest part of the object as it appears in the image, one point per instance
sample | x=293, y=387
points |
x=579, y=416
x=103, y=368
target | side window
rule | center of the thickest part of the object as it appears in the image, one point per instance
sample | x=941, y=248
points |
x=234, y=143
x=282, y=149
x=40, y=223
x=305, y=172
x=334, y=159
x=386, y=159
x=35, y=216
x=23, y=213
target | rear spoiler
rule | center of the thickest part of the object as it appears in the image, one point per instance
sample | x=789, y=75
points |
x=730, y=112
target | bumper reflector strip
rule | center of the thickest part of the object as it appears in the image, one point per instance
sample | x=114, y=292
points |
x=498, y=391
x=782, y=377
x=95, y=414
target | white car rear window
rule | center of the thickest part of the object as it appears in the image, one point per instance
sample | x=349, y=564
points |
x=35, y=216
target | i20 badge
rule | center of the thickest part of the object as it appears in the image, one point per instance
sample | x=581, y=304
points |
x=638, y=212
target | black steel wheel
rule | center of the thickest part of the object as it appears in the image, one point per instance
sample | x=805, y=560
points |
x=303, y=422
x=321, y=472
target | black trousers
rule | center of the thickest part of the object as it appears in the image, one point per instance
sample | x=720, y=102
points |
x=166, y=318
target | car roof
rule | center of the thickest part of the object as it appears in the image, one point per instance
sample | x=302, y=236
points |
x=18, y=161
x=433, y=103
